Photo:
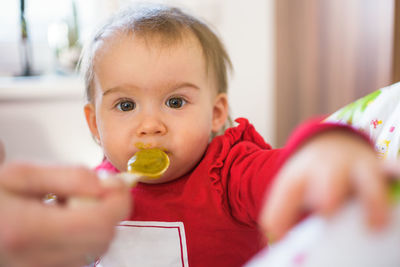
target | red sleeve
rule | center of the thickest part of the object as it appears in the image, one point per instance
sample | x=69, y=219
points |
x=246, y=166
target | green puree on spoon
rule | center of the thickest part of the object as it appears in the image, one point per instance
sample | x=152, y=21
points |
x=147, y=163
x=150, y=163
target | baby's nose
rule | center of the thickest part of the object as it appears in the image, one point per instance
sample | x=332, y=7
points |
x=151, y=126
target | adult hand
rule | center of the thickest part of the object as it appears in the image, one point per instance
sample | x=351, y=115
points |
x=35, y=234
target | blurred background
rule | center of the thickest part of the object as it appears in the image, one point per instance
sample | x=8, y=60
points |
x=293, y=60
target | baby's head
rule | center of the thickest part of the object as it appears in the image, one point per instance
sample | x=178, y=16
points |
x=157, y=76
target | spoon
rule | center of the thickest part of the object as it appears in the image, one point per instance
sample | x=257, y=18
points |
x=148, y=164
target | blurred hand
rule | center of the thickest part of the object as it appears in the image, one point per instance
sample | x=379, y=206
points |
x=320, y=176
x=35, y=234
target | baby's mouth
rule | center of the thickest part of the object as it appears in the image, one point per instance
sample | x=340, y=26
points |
x=150, y=162
x=142, y=146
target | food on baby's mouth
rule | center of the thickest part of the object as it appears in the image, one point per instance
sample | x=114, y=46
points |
x=149, y=163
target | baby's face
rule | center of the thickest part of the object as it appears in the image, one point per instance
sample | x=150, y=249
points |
x=161, y=97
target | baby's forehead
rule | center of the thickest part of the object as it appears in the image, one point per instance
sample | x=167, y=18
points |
x=156, y=41
x=184, y=53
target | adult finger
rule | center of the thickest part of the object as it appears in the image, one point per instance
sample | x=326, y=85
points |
x=90, y=220
x=51, y=234
x=118, y=203
x=53, y=256
x=63, y=229
x=28, y=178
x=114, y=205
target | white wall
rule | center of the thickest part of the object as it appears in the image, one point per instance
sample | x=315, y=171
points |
x=42, y=119
x=248, y=33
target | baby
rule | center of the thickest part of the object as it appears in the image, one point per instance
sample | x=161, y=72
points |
x=158, y=76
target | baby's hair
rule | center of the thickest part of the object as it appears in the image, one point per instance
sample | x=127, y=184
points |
x=170, y=25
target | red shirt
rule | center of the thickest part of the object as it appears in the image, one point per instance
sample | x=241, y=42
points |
x=218, y=202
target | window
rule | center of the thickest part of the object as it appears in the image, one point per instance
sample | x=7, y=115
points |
x=48, y=23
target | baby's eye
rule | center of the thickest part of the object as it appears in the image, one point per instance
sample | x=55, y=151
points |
x=126, y=105
x=176, y=102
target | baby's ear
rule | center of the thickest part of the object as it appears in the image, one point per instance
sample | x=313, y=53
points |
x=220, y=112
x=90, y=114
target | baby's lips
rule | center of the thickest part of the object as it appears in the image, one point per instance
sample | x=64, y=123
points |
x=141, y=146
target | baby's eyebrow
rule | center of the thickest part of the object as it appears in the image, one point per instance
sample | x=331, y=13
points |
x=171, y=87
x=116, y=89
x=185, y=84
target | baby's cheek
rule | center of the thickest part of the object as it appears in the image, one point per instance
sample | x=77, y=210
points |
x=196, y=148
x=115, y=157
